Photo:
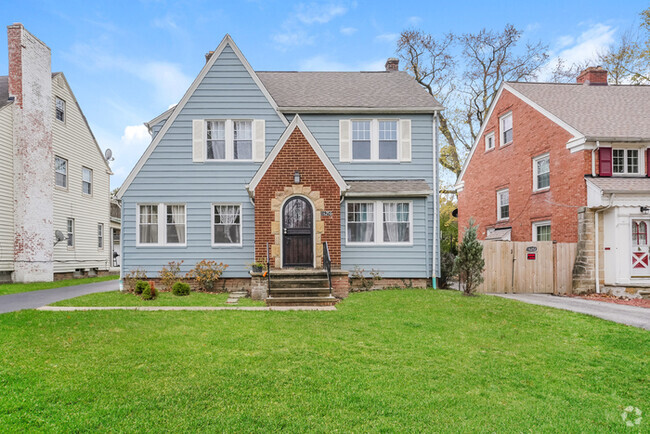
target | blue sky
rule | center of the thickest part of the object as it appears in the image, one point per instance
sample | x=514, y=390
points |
x=128, y=61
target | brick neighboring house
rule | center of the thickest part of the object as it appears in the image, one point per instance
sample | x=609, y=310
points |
x=53, y=175
x=291, y=160
x=555, y=162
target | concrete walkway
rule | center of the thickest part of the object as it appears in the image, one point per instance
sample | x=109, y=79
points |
x=34, y=299
x=154, y=308
x=620, y=313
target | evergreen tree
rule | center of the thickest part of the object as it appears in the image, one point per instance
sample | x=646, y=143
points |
x=469, y=263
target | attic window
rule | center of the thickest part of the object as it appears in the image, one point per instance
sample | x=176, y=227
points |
x=60, y=109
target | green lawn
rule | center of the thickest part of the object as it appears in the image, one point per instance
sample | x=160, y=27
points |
x=13, y=288
x=117, y=298
x=399, y=361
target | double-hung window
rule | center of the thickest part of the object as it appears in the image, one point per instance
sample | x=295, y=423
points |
x=506, y=129
x=229, y=140
x=541, y=172
x=86, y=180
x=542, y=231
x=489, y=141
x=374, y=140
x=626, y=161
x=226, y=225
x=61, y=172
x=70, y=229
x=162, y=224
x=60, y=109
x=379, y=222
x=503, y=204
x=100, y=235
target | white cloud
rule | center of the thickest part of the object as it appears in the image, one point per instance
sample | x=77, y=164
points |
x=348, y=30
x=532, y=27
x=318, y=13
x=414, y=21
x=387, y=37
x=292, y=39
x=325, y=63
x=585, y=46
x=135, y=135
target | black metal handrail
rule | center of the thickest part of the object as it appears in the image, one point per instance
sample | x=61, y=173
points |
x=327, y=264
x=268, y=269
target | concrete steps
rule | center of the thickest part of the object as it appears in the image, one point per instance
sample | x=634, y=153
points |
x=300, y=287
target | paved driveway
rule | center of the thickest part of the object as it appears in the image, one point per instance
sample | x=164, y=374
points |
x=620, y=313
x=34, y=299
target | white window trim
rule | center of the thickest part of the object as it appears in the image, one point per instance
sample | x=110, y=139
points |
x=162, y=225
x=103, y=237
x=492, y=136
x=641, y=165
x=499, y=192
x=241, y=225
x=74, y=237
x=229, y=135
x=538, y=224
x=67, y=173
x=92, y=181
x=65, y=111
x=535, y=160
x=379, y=223
x=502, y=131
x=374, y=141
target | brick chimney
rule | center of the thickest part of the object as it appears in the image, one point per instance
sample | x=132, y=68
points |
x=594, y=75
x=208, y=55
x=392, y=64
x=30, y=84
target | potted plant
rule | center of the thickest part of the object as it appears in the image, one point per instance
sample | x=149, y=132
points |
x=258, y=267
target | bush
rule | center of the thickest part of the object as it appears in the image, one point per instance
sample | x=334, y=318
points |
x=132, y=278
x=170, y=274
x=206, y=273
x=149, y=293
x=181, y=289
x=140, y=286
x=446, y=268
x=469, y=263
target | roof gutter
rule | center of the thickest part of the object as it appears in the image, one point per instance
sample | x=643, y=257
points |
x=330, y=109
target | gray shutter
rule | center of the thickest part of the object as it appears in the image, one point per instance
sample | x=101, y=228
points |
x=198, y=140
x=259, y=144
x=344, y=140
x=405, y=140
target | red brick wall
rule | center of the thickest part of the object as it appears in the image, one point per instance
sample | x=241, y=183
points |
x=512, y=167
x=297, y=154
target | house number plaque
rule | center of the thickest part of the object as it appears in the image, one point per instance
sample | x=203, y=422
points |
x=326, y=213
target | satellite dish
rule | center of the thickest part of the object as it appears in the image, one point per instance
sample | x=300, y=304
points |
x=109, y=155
x=59, y=236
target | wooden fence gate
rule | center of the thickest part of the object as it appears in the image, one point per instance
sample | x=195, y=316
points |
x=528, y=267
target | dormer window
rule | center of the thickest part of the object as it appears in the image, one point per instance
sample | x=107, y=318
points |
x=625, y=161
x=60, y=109
x=506, y=129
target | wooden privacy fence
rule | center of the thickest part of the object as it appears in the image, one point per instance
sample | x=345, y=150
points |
x=528, y=267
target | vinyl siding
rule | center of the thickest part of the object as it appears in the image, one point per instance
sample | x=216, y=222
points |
x=73, y=141
x=6, y=189
x=170, y=176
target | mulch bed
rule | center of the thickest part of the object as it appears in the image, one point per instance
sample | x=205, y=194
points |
x=639, y=302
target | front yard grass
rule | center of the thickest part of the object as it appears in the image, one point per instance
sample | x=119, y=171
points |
x=117, y=298
x=14, y=288
x=399, y=361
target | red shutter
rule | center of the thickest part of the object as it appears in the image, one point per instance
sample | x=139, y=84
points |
x=605, y=159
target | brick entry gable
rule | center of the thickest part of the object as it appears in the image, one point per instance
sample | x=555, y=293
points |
x=317, y=184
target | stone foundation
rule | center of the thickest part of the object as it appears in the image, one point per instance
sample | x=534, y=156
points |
x=584, y=268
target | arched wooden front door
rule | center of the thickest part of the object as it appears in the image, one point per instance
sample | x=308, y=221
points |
x=297, y=233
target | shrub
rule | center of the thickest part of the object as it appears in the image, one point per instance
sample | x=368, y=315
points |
x=206, y=273
x=181, y=289
x=149, y=293
x=446, y=268
x=170, y=274
x=469, y=263
x=132, y=278
x=363, y=283
x=140, y=286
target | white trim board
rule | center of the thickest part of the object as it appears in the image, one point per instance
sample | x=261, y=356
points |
x=226, y=41
x=577, y=135
x=297, y=122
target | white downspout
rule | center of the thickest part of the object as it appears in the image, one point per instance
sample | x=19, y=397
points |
x=596, y=242
x=593, y=159
x=435, y=254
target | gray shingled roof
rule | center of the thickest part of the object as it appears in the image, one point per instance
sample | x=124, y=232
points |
x=405, y=188
x=372, y=90
x=622, y=185
x=598, y=112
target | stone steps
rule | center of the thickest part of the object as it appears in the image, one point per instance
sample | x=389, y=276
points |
x=300, y=287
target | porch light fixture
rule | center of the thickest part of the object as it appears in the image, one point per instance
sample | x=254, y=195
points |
x=296, y=177
x=644, y=209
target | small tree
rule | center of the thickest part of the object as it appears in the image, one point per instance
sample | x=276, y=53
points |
x=469, y=263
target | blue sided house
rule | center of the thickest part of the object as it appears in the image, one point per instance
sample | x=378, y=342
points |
x=321, y=175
